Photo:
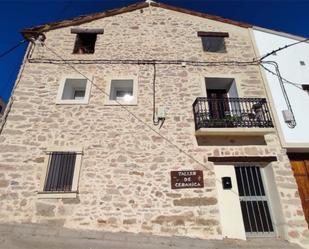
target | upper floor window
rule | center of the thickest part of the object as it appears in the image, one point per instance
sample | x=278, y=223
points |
x=122, y=90
x=85, y=40
x=73, y=91
x=84, y=43
x=213, y=41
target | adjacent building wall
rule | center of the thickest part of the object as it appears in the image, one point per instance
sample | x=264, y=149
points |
x=291, y=69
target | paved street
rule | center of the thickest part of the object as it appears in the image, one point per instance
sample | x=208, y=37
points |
x=31, y=236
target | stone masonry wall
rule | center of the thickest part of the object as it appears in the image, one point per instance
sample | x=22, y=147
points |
x=124, y=181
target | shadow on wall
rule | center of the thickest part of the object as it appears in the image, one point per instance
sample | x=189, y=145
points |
x=230, y=140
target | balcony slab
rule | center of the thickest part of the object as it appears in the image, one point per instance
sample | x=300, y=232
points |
x=234, y=131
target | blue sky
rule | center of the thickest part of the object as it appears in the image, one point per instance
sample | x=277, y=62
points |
x=284, y=15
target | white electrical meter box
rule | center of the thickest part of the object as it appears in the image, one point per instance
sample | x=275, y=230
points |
x=161, y=112
x=287, y=116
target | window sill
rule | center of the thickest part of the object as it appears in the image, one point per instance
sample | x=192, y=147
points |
x=119, y=103
x=57, y=195
x=72, y=102
x=82, y=53
x=217, y=52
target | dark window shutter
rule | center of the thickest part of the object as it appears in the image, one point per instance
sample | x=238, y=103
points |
x=85, y=43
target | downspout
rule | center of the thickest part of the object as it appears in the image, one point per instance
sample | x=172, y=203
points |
x=291, y=124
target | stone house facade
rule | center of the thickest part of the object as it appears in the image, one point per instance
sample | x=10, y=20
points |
x=121, y=159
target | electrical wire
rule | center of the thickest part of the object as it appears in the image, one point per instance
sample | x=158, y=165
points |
x=154, y=62
x=11, y=75
x=12, y=48
x=144, y=62
x=291, y=124
x=282, y=48
x=155, y=122
x=138, y=119
x=285, y=80
x=11, y=100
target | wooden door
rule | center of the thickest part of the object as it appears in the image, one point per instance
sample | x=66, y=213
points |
x=301, y=173
x=218, y=103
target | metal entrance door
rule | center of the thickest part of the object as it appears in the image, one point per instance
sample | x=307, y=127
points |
x=253, y=201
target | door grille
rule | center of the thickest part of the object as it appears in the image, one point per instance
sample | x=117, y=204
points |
x=253, y=201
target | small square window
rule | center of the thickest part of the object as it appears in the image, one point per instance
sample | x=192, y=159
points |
x=123, y=91
x=61, y=173
x=73, y=91
x=302, y=63
x=85, y=43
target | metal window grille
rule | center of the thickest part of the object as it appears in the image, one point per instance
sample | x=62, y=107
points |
x=60, y=172
x=253, y=201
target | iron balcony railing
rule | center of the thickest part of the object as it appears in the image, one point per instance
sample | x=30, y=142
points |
x=231, y=113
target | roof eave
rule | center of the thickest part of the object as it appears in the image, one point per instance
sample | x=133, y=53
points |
x=29, y=32
x=280, y=33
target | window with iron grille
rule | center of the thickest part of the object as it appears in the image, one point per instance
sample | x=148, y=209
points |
x=60, y=172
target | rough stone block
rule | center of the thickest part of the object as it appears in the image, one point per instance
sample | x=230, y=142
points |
x=197, y=201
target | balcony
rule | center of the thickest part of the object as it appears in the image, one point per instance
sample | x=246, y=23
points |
x=232, y=116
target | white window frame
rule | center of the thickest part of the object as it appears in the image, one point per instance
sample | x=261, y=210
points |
x=108, y=101
x=83, y=101
x=56, y=195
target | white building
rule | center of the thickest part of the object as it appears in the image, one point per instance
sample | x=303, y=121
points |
x=293, y=90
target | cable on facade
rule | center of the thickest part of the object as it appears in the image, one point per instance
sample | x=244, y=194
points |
x=154, y=118
x=12, y=48
x=292, y=123
x=299, y=86
x=282, y=48
x=145, y=62
x=11, y=100
x=138, y=119
x=154, y=62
